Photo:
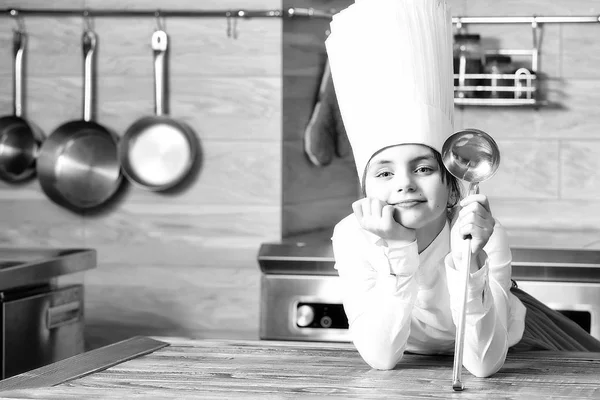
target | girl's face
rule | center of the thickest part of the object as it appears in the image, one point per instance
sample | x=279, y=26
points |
x=409, y=178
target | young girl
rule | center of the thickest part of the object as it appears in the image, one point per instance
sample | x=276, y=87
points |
x=399, y=259
x=399, y=254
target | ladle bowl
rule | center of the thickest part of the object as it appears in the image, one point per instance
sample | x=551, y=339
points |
x=471, y=155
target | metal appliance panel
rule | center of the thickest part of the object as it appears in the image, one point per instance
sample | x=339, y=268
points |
x=42, y=328
x=569, y=296
x=301, y=270
x=281, y=296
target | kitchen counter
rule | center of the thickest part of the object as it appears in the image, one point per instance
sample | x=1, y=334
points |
x=224, y=369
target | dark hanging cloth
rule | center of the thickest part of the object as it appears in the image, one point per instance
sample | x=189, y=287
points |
x=548, y=329
x=325, y=135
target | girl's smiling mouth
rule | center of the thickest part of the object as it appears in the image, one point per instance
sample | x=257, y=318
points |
x=408, y=203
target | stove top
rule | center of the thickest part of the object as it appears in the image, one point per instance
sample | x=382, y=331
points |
x=312, y=254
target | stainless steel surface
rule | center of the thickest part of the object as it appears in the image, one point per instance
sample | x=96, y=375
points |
x=164, y=12
x=290, y=12
x=40, y=322
x=471, y=155
x=300, y=270
x=20, y=267
x=78, y=166
x=158, y=152
x=312, y=254
x=19, y=140
x=528, y=20
x=283, y=318
x=569, y=296
x=83, y=364
x=41, y=328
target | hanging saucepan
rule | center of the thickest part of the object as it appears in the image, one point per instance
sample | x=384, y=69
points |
x=19, y=140
x=157, y=152
x=78, y=166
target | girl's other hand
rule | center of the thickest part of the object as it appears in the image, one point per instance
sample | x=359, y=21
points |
x=377, y=217
x=475, y=219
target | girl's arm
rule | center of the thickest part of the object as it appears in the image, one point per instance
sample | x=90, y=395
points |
x=379, y=290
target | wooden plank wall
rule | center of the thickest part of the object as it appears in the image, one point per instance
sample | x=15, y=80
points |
x=547, y=189
x=313, y=197
x=177, y=264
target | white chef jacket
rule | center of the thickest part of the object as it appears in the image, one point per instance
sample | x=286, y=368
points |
x=398, y=300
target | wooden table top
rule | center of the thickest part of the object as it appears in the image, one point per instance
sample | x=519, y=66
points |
x=225, y=369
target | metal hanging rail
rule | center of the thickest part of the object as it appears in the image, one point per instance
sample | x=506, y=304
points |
x=292, y=12
x=16, y=12
x=526, y=20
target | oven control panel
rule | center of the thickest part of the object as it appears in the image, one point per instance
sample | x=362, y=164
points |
x=321, y=315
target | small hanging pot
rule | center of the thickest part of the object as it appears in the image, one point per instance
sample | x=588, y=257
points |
x=157, y=152
x=19, y=140
x=78, y=166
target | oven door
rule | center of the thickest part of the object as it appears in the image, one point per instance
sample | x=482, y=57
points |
x=42, y=328
x=302, y=307
x=309, y=307
x=580, y=301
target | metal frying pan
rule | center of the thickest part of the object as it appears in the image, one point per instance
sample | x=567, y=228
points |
x=157, y=152
x=19, y=140
x=78, y=166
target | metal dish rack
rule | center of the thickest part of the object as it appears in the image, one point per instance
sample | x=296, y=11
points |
x=524, y=81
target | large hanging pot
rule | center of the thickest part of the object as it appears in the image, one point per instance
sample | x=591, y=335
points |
x=157, y=152
x=19, y=140
x=78, y=166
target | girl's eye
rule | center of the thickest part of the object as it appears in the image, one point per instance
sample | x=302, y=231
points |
x=424, y=169
x=383, y=174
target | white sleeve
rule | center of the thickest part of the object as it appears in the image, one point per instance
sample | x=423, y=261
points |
x=487, y=308
x=379, y=294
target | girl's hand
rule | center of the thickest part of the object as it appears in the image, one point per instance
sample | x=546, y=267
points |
x=475, y=219
x=377, y=217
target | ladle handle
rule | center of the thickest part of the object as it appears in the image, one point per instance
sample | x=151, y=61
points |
x=459, y=342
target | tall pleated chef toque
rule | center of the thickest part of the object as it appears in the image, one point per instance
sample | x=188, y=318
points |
x=391, y=64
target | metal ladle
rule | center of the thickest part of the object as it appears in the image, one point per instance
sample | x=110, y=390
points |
x=472, y=156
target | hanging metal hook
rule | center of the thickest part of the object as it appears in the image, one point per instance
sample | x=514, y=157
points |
x=18, y=20
x=536, y=29
x=160, y=24
x=228, y=18
x=239, y=14
x=87, y=20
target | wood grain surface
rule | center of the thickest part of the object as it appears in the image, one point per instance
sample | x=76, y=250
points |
x=82, y=364
x=217, y=369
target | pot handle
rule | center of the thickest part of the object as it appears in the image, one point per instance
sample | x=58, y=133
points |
x=63, y=314
x=89, y=49
x=19, y=39
x=159, y=47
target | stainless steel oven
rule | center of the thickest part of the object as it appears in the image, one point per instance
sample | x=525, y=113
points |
x=300, y=297
x=40, y=326
x=41, y=321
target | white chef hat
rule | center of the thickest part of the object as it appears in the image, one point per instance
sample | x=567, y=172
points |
x=391, y=65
